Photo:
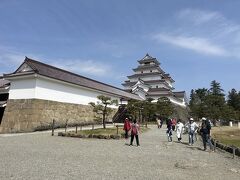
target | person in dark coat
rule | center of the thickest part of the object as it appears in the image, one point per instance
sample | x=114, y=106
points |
x=169, y=130
x=206, y=135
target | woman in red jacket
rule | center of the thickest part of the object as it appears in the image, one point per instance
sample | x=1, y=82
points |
x=126, y=127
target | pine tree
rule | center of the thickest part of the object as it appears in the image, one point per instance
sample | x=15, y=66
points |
x=197, y=102
x=101, y=107
x=216, y=88
x=164, y=107
x=234, y=99
x=149, y=109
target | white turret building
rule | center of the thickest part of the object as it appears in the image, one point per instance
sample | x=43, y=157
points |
x=150, y=81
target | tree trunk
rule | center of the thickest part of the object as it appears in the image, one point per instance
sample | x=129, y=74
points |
x=104, y=126
x=139, y=114
x=104, y=115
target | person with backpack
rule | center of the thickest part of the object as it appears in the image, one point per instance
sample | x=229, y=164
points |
x=134, y=132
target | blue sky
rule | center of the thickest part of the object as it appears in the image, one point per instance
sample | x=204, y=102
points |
x=195, y=41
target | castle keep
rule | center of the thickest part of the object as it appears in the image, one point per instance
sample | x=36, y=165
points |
x=150, y=81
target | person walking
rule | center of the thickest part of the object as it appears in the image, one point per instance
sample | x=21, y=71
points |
x=134, y=132
x=169, y=130
x=174, y=122
x=206, y=135
x=179, y=129
x=158, y=122
x=192, y=128
x=126, y=127
x=161, y=122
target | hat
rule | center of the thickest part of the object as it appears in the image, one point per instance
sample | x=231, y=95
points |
x=191, y=119
x=204, y=119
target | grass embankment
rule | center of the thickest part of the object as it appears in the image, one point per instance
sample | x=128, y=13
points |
x=227, y=135
x=107, y=131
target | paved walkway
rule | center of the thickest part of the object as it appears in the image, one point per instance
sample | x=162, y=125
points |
x=41, y=156
x=55, y=130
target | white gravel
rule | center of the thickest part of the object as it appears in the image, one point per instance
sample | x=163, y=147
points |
x=41, y=156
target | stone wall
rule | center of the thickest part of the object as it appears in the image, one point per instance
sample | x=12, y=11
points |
x=28, y=115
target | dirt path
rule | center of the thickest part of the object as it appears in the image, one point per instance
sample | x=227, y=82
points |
x=40, y=156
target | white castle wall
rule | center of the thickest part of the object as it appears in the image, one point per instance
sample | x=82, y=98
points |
x=50, y=89
x=22, y=88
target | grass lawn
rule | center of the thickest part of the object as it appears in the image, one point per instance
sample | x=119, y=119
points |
x=107, y=131
x=227, y=135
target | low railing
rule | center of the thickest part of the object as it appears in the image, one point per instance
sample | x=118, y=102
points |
x=76, y=126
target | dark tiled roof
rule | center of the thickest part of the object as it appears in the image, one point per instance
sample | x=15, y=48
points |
x=144, y=74
x=150, y=67
x=158, y=89
x=162, y=81
x=180, y=94
x=66, y=76
x=160, y=94
x=4, y=83
x=147, y=58
x=128, y=90
x=155, y=81
x=167, y=76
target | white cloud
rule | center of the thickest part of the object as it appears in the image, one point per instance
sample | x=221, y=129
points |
x=200, y=45
x=89, y=67
x=10, y=59
x=212, y=20
x=204, y=32
x=198, y=16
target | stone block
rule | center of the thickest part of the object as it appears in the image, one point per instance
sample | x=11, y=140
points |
x=28, y=114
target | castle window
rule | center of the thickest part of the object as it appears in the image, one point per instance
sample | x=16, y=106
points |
x=150, y=70
x=156, y=86
x=141, y=71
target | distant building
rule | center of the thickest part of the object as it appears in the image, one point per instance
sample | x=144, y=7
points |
x=150, y=81
x=36, y=93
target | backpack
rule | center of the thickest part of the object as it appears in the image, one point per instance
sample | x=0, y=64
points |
x=134, y=129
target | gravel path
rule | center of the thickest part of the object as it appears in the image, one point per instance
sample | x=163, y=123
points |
x=41, y=156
